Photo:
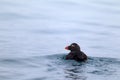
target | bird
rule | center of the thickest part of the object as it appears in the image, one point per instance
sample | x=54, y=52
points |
x=75, y=53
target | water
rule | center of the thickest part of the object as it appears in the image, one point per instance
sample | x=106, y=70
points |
x=33, y=34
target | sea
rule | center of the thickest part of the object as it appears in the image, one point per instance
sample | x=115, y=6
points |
x=34, y=33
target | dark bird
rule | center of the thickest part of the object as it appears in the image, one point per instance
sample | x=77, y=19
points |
x=75, y=53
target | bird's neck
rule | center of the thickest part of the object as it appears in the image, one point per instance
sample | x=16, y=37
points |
x=76, y=51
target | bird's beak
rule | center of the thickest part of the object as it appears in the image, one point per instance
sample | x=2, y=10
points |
x=67, y=47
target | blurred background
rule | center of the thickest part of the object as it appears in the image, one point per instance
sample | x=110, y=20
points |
x=40, y=27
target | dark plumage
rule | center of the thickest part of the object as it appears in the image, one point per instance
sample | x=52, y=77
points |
x=75, y=53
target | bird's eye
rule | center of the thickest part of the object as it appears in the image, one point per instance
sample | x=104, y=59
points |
x=73, y=45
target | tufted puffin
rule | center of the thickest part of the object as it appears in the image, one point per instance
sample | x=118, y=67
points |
x=75, y=53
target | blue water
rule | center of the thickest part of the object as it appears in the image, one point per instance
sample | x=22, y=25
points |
x=33, y=34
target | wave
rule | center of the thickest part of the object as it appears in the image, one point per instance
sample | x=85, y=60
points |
x=58, y=66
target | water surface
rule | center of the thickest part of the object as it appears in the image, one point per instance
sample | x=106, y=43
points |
x=33, y=34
